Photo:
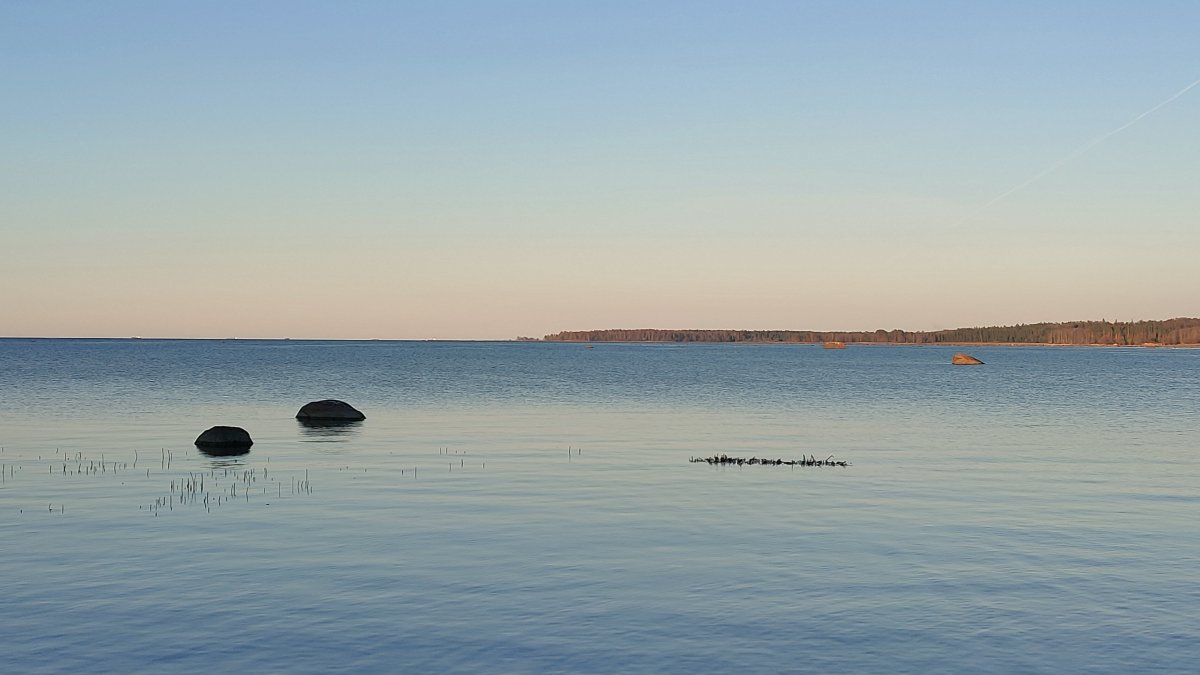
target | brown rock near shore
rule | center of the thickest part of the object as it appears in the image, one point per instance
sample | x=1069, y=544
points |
x=833, y=344
x=961, y=359
x=329, y=410
x=224, y=437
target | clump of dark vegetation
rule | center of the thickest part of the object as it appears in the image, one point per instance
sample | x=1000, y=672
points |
x=725, y=460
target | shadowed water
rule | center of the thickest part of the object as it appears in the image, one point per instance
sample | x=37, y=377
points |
x=513, y=507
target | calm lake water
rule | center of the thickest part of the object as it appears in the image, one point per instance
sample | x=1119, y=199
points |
x=530, y=507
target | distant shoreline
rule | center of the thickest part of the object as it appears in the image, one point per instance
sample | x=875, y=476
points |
x=1179, y=331
x=867, y=344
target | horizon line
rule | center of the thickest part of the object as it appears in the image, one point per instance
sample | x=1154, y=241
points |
x=541, y=338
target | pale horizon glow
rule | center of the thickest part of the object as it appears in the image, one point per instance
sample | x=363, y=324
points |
x=471, y=170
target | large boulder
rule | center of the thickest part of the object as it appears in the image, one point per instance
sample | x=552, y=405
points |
x=224, y=437
x=329, y=410
x=961, y=359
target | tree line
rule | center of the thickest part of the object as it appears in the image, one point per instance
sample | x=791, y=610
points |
x=1168, y=332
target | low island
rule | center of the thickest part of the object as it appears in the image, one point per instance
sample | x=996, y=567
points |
x=1165, y=333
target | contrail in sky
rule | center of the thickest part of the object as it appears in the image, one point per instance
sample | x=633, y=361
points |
x=1074, y=153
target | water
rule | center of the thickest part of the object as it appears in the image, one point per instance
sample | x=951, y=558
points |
x=512, y=507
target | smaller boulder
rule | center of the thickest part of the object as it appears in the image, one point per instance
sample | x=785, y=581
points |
x=329, y=410
x=224, y=437
x=961, y=359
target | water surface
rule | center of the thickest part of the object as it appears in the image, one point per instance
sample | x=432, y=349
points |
x=530, y=507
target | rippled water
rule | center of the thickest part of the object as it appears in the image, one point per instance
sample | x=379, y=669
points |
x=511, y=507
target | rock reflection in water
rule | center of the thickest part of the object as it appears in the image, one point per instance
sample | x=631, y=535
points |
x=329, y=430
x=225, y=458
x=223, y=451
x=227, y=462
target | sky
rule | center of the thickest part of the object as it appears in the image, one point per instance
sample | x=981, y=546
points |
x=489, y=169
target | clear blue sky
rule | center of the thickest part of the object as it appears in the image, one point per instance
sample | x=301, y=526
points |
x=492, y=169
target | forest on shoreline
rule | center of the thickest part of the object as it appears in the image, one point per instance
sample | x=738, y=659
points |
x=1181, y=331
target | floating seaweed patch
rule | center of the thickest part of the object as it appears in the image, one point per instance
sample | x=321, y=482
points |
x=726, y=460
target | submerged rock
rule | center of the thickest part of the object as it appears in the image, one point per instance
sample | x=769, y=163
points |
x=811, y=460
x=224, y=437
x=329, y=410
x=961, y=359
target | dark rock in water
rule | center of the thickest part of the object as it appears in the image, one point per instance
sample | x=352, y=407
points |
x=329, y=410
x=961, y=359
x=224, y=437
